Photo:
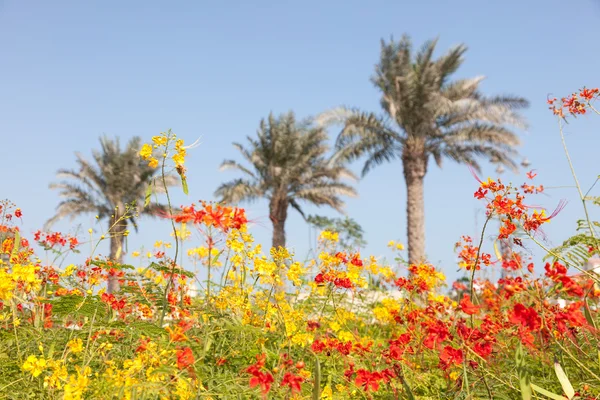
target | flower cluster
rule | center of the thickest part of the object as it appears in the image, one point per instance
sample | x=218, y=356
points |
x=167, y=145
x=575, y=104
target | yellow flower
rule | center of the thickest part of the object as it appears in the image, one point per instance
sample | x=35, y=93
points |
x=305, y=373
x=69, y=270
x=334, y=326
x=281, y=254
x=183, y=233
x=236, y=246
x=345, y=336
x=7, y=285
x=159, y=140
x=77, y=385
x=436, y=298
x=153, y=163
x=135, y=254
x=327, y=393
x=294, y=273
x=59, y=374
x=341, y=388
x=34, y=365
x=329, y=236
x=146, y=151
x=184, y=388
x=26, y=274
x=75, y=345
x=179, y=158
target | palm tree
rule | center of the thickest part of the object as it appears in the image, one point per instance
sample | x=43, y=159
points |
x=114, y=189
x=426, y=115
x=287, y=166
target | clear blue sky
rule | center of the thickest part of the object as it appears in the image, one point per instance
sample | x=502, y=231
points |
x=74, y=70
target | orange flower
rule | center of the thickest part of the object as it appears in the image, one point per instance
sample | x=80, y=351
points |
x=467, y=306
x=176, y=334
x=185, y=358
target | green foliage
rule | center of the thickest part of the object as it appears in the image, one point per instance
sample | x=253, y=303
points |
x=576, y=249
x=350, y=232
x=106, y=266
x=88, y=306
x=168, y=270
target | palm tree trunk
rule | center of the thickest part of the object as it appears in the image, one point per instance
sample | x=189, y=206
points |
x=278, y=215
x=415, y=168
x=117, y=239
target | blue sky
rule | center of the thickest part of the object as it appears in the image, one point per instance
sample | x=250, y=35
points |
x=73, y=71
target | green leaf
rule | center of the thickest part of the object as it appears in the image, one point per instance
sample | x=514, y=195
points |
x=524, y=381
x=407, y=389
x=588, y=315
x=547, y=393
x=66, y=305
x=207, y=344
x=564, y=381
x=147, y=328
x=169, y=270
x=148, y=194
x=316, y=393
x=104, y=264
x=184, y=185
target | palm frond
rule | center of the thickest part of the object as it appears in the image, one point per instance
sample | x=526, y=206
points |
x=287, y=161
x=429, y=115
x=297, y=207
x=232, y=164
x=115, y=178
x=237, y=191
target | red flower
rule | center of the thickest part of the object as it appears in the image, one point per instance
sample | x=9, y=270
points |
x=320, y=278
x=264, y=379
x=483, y=348
x=18, y=213
x=395, y=352
x=587, y=94
x=356, y=261
x=318, y=346
x=312, y=325
x=73, y=242
x=185, y=358
x=368, y=380
x=221, y=361
x=143, y=345
x=293, y=381
x=506, y=229
x=437, y=333
x=480, y=193
x=526, y=317
x=343, y=283
x=449, y=356
x=467, y=306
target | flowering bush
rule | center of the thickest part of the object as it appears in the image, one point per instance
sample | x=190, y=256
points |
x=264, y=325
